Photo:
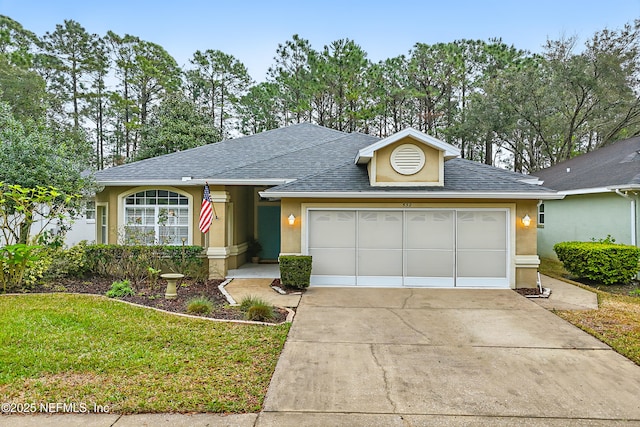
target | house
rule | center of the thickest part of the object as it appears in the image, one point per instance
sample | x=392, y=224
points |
x=81, y=227
x=399, y=211
x=601, y=197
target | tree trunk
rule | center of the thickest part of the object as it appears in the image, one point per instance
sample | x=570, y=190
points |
x=25, y=226
x=488, y=149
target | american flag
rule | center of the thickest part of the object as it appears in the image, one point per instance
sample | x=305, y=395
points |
x=206, y=211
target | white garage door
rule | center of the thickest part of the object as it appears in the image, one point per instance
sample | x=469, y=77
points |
x=429, y=247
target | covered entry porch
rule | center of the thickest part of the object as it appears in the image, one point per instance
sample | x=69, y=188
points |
x=242, y=216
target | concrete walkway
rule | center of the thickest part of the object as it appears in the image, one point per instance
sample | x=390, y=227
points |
x=444, y=357
x=261, y=288
x=565, y=296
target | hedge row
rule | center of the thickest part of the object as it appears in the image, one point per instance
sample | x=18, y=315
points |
x=601, y=262
x=135, y=262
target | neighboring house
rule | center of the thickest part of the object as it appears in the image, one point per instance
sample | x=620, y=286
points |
x=601, y=197
x=399, y=211
x=82, y=227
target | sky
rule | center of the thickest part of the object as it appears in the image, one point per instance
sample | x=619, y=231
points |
x=252, y=30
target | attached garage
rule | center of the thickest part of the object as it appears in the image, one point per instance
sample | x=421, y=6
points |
x=407, y=211
x=458, y=247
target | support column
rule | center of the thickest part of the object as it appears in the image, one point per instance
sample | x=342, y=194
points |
x=217, y=239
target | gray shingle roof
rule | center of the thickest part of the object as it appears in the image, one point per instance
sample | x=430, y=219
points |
x=460, y=175
x=314, y=158
x=614, y=165
x=306, y=161
x=223, y=159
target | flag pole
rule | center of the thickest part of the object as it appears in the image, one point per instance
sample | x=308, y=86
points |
x=213, y=205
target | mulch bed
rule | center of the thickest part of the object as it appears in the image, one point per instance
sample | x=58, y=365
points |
x=154, y=297
x=618, y=289
x=288, y=289
x=528, y=291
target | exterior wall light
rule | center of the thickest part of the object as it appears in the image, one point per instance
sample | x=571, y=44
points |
x=526, y=220
x=292, y=219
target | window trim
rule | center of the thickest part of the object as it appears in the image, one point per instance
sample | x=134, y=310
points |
x=102, y=227
x=122, y=207
x=86, y=210
x=540, y=215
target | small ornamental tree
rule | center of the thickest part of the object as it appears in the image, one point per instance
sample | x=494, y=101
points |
x=21, y=207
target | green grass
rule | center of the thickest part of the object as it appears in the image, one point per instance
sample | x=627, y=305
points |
x=86, y=349
x=616, y=322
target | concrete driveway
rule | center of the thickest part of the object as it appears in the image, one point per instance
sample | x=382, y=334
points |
x=444, y=357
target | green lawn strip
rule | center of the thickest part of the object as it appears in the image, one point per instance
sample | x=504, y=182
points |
x=616, y=322
x=87, y=349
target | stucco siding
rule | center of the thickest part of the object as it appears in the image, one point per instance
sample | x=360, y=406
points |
x=429, y=174
x=582, y=218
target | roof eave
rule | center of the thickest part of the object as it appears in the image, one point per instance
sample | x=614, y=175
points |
x=411, y=195
x=366, y=154
x=594, y=190
x=196, y=182
x=625, y=187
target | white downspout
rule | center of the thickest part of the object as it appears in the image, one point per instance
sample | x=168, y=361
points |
x=633, y=215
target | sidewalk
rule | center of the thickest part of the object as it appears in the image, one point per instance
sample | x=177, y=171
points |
x=565, y=296
x=115, y=420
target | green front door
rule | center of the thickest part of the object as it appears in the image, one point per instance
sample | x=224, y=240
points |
x=269, y=231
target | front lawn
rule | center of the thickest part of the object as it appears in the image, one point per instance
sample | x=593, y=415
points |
x=616, y=322
x=88, y=350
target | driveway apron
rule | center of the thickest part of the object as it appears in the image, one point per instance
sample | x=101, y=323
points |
x=444, y=357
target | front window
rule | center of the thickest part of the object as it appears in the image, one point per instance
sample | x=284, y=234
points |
x=102, y=230
x=90, y=210
x=156, y=217
x=541, y=215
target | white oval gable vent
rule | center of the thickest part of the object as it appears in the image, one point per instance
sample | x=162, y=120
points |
x=407, y=159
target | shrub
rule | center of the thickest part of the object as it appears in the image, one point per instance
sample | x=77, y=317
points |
x=249, y=300
x=260, y=313
x=295, y=270
x=601, y=262
x=66, y=262
x=256, y=309
x=50, y=263
x=15, y=261
x=199, y=305
x=133, y=262
x=120, y=289
x=39, y=269
x=154, y=273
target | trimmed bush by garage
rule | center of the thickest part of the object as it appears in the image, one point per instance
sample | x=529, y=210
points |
x=295, y=270
x=601, y=262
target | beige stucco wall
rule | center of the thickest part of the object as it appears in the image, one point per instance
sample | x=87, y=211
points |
x=523, y=241
x=526, y=245
x=526, y=237
x=291, y=235
x=431, y=173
